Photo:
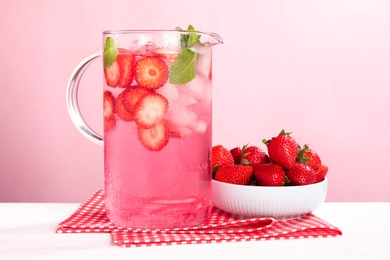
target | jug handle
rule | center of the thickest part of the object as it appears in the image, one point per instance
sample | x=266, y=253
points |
x=72, y=100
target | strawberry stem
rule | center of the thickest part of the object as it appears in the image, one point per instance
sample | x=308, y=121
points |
x=286, y=180
x=214, y=171
x=282, y=132
x=243, y=160
x=301, y=157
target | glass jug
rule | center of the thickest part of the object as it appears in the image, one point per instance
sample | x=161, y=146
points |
x=157, y=107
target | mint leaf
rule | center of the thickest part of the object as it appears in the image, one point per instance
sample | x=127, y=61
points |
x=183, y=68
x=190, y=39
x=190, y=28
x=110, y=52
x=183, y=38
x=193, y=38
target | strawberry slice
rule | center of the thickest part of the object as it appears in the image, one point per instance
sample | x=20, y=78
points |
x=112, y=74
x=132, y=96
x=150, y=110
x=120, y=109
x=120, y=73
x=125, y=60
x=151, y=72
x=108, y=105
x=155, y=138
x=108, y=111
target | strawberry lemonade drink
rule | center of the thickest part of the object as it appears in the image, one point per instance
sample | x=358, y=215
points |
x=157, y=127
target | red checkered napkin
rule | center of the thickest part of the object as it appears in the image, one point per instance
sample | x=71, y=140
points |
x=220, y=227
x=90, y=217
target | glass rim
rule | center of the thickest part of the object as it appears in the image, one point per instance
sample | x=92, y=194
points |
x=215, y=36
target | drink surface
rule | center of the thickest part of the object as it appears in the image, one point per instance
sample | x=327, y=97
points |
x=157, y=137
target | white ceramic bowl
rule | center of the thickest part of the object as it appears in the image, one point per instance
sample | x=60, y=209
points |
x=261, y=201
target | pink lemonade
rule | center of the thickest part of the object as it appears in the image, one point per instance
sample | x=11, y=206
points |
x=157, y=135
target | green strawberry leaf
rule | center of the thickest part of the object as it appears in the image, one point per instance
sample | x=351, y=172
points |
x=182, y=69
x=214, y=171
x=110, y=52
x=245, y=162
x=301, y=157
x=283, y=132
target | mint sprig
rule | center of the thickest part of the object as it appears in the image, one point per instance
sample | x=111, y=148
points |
x=183, y=38
x=110, y=52
x=182, y=69
x=188, y=40
x=193, y=38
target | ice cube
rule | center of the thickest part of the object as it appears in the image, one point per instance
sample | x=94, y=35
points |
x=199, y=88
x=186, y=99
x=200, y=126
x=145, y=49
x=169, y=91
x=196, y=87
x=204, y=60
x=202, y=49
x=183, y=117
x=169, y=54
x=183, y=131
x=134, y=44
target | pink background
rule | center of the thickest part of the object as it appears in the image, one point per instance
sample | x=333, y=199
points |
x=320, y=69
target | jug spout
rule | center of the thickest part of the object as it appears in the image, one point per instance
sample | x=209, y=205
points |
x=216, y=37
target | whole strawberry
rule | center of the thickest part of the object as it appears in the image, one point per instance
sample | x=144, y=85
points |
x=309, y=157
x=282, y=149
x=249, y=155
x=321, y=173
x=220, y=156
x=235, y=174
x=301, y=174
x=236, y=153
x=269, y=174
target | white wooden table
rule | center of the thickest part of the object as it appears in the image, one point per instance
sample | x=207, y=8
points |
x=27, y=231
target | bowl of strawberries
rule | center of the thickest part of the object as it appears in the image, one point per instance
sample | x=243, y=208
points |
x=289, y=181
